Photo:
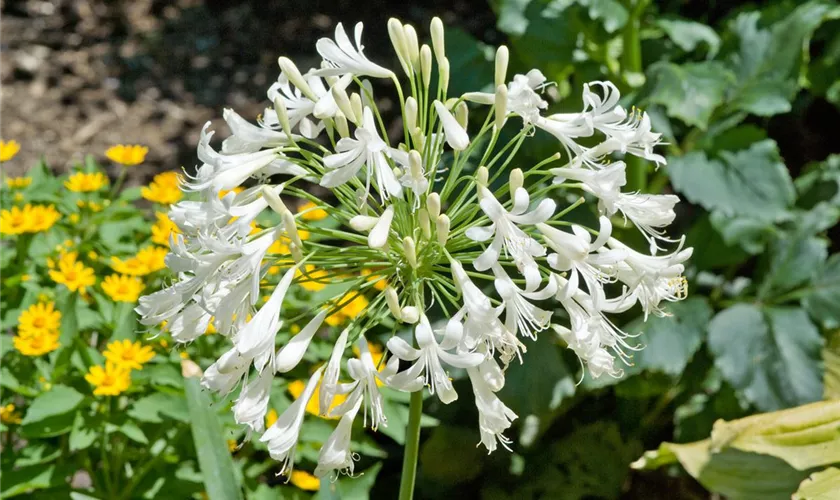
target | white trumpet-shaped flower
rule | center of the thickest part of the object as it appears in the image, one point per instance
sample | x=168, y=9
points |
x=342, y=57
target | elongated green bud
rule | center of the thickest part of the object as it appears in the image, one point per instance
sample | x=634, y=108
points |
x=462, y=114
x=443, y=69
x=502, y=57
x=393, y=302
x=517, y=180
x=293, y=74
x=501, y=106
x=410, y=113
x=356, y=104
x=410, y=250
x=291, y=228
x=482, y=175
x=341, y=124
x=282, y=115
x=442, y=227
x=437, y=39
x=274, y=200
x=412, y=46
x=397, y=35
x=425, y=223
x=343, y=103
x=433, y=205
x=426, y=65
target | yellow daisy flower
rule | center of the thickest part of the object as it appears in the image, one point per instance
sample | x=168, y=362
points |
x=271, y=417
x=379, y=282
x=313, y=407
x=8, y=415
x=163, y=189
x=36, y=345
x=162, y=229
x=8, y=150
x=131, y=266
x=311, y=279
x=109, y=381
x=73, y=274
x=39, y=319
x=18, y=197
x=15, y=220
x=42, y=217
x=81, y=182
x=313, y=213
x=305, y=480
x=18, y=182
x=122, y=288
x=127, y=155
x=153, y=258
x=132, y=355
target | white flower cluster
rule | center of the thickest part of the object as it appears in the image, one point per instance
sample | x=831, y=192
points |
x=425, y=213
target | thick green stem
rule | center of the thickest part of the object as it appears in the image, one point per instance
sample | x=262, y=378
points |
x=412, y=446
x=637, y=168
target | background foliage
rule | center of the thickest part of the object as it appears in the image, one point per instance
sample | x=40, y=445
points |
x=747, y=96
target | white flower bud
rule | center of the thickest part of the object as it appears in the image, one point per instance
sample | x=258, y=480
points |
x=378, y=236
x=502, y=57
x=412, y=46
x=415, y=163
x=443, y=69
x=426, y=65
x=274, y=200
x=433, y=205
x=482, y=175
x=437, y=39
x=341, y=124
x=393, y=302
x=418, y=137
x=343, y=103
x=442, y=229
x=356, y=105
x=363, y=223
x=425, y=223
x=282, y=115
x=455, y=134
x=462, y=114
x=410, y=314
x=501, y=106
x=516, y=180
x=411, y=113
x=293, y=74
x=397, y=172
x=397, y=35
x=290, y=226
x=410, y=250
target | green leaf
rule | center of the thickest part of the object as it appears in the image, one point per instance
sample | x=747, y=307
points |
x=213, y=456
x=752, y=182
x=537, y=392
x=350, y=488
x=611, y=13
x=59, y=400
x=37, y=454
x=769, y=61
x=772, y=356
x=125, y=322
x=822, y=485
x=84, y=432
x=133, y=432
x=26, y=480
x=691, y=91
x=151, y=408
x=794, y=260
x=823, y=298
x=450, y=456
x=671, y=341
x=687, y=35
x=805, y=437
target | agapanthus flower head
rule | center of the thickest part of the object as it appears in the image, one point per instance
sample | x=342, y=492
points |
x=442, y=219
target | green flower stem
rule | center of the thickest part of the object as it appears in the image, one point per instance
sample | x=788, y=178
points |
x=637, y=168
x=118, y=184
x=412, y=446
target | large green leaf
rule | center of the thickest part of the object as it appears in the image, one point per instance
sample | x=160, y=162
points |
x=671, y=341
x=687, y=35
x=770, y=355
x=822, y=485
x=691, y=91
x=823, y=295
x=59, y=400
x=769, y=60
x=216, y=464
x=752, y=182
x=794, y=259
